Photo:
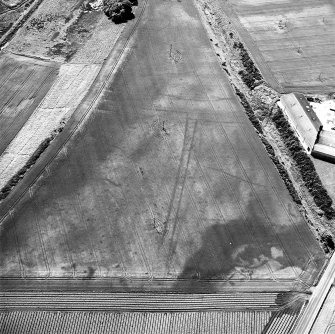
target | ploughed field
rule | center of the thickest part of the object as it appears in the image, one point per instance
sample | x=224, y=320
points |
x=292, y=41
x=23, y=85
x=31, y=312
x=241, y=322
x=167, y=179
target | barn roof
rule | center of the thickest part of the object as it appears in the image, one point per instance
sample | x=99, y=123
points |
x=310, y=113
x=302, y=117
x=324, y=152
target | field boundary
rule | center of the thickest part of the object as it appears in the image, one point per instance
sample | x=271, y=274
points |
x=136, y=284
x=253, y=50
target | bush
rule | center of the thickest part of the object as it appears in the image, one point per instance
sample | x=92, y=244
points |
x=4, y=192
x=328, y=242
x=250, y=75
x=305, y=165
x=119, y=11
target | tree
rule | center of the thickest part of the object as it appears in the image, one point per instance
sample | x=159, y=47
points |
x=118, y=11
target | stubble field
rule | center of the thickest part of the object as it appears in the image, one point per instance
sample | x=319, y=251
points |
x=292, y=41
x=167, y=180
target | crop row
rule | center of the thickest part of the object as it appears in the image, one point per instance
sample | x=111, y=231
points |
x=283, y=321
x=136, y=301
x=95, y=322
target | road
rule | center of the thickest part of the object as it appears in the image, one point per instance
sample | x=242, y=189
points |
x=318, y=297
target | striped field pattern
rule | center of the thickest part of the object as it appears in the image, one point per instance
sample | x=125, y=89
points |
x=223, y=322
x=23, y=84
x=86, y=322
x=61, y=312
x=61, y=301
x=292, y=41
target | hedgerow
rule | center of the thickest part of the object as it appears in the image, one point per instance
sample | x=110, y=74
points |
x=4, y=192
x=327, y=242
x=254, y=120
x=304, y=164
x=251, y=74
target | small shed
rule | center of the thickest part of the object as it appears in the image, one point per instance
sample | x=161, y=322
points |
x=302, y=118
x=324, y=152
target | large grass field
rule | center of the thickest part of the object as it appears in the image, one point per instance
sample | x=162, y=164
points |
x=167, y=179
x=292, y=41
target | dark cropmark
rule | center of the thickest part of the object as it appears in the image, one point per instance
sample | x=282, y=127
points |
x=167, y=179
x=243, y=253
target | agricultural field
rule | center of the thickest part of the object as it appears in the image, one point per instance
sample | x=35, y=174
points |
x=24, y=83
x=167, y=179
x=69, y=88
x=133, y=323
x=327, y=175
x=146, y=313
x=291, y=41
x=59, y=29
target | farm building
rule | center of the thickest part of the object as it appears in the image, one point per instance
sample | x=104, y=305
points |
x=324, y=152
x=325, y=147
x=302, y=118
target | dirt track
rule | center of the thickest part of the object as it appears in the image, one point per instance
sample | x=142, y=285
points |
x=167, y=179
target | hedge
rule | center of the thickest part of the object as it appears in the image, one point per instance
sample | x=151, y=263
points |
x=4, y=192
x=251, y=74
x=305, y=165
x=254, y=120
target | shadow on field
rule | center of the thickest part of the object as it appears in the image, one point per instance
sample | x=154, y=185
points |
x=248, y=255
